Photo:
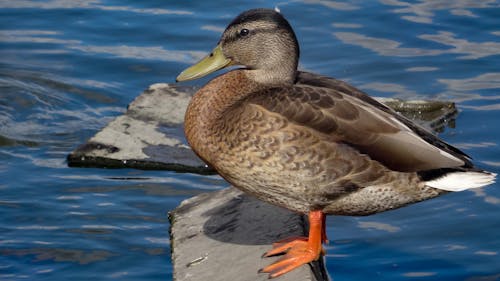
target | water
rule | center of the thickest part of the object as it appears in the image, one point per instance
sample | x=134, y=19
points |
x=68, y=67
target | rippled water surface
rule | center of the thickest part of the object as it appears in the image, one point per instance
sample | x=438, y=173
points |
x=68, y=67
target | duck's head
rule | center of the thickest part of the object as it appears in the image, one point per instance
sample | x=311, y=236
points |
x=260, y=40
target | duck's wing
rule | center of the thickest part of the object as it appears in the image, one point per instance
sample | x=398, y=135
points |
x=308, y=78
x=344, y=114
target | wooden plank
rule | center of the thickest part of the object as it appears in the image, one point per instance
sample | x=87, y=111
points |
x=222, y=235
x=148, y=136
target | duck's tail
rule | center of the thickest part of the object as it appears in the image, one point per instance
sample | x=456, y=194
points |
x=458, y=180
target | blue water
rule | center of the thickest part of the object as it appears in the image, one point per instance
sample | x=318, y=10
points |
x=69, y=67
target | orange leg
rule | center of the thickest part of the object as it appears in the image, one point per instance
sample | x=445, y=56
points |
x=299, y=250
x=324, y=238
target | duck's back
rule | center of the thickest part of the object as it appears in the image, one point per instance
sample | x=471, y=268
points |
x=339, y=112
x=346, y=89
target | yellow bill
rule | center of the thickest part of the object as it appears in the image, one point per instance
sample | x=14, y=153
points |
x=213, y=62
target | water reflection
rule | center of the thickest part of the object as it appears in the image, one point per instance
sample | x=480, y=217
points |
x=35, y=36
x=346, y=25
x=87, y=4
x=492, y=163
x=336, y=5
x=424, y=11
x=419, y=274
x=472, y=50
x=158, y=186
x=217, y=29
x=482, y=81
x=393, y=88
x=384, y=47
x=121, y=51
x=486, y=253
x=490, y=199
x=387, y=47
x=60, y=254
x=421, y=69
x=136, y=52
x=466, y=146
x=378, y=226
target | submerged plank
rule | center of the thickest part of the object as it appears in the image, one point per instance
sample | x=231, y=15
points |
x=222, y=236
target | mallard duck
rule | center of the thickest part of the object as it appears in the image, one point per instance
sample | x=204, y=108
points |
x=310, y=143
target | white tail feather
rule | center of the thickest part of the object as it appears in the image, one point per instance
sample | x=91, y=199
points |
x=458, y=181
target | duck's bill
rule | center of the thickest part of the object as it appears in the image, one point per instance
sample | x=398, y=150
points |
x=213, y=62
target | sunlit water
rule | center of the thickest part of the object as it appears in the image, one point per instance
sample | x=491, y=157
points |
x=68, y=67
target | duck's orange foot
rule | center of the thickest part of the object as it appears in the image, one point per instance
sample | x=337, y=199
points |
x=298, y=252
x=282, y=246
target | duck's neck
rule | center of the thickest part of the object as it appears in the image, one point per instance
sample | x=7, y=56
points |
x=205, y=114
x=272, y=77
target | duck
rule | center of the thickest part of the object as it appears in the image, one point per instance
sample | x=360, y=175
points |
x=309, y=143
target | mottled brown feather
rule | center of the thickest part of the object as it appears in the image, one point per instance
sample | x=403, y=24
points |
x=293, y=146
x=341, y=86
x=376, y=131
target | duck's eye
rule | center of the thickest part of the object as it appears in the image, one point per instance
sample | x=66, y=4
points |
x=244, y=32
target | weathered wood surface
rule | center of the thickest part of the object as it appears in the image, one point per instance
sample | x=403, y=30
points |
x=222, y=236
x=150, y=134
